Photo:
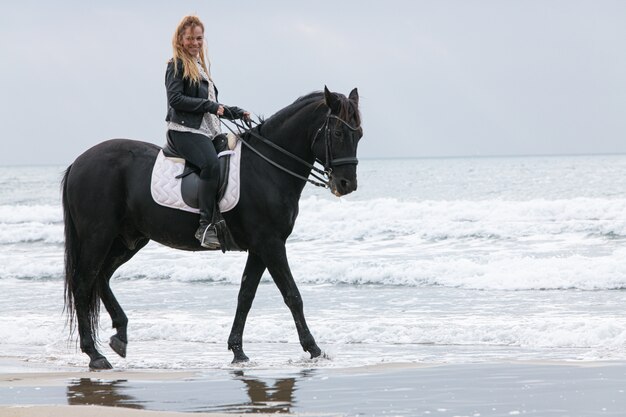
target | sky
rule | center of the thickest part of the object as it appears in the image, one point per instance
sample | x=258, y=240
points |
x=436, y=78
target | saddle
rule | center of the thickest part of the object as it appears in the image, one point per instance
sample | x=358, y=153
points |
x=224, y=146
x=175, y=183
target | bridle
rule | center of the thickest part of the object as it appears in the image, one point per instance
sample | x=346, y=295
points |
x=322, y=177
x=330, y=163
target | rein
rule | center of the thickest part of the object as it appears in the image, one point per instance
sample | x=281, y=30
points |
x=322, y=177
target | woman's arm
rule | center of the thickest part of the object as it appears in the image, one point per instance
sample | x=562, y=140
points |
x=176, y=98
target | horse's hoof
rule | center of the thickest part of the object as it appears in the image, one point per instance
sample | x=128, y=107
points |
x=100, y=364
x=118, y=346
x=240, y=358
x=315, y=352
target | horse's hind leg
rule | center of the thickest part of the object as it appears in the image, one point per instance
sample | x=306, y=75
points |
x=118, y=255
x=249, y=284
x=86, y=300
x=119, y=340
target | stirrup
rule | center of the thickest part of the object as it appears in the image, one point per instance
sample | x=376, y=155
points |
x=208, y=237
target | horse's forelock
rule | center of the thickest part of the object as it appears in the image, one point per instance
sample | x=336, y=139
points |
x=349, y=110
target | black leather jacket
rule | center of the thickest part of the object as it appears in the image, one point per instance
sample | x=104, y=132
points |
x=187, y=101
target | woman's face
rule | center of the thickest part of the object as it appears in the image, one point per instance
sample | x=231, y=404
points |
x=192, y=40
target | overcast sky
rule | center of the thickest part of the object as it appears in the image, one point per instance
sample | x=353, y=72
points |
x=436, y=78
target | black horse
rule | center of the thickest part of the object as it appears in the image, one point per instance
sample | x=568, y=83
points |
x=110, y=215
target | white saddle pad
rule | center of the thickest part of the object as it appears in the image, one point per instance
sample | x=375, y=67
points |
x=165, y=187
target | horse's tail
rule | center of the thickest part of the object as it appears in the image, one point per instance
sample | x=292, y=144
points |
x=72, y=254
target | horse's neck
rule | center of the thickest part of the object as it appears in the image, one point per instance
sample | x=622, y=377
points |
x=292, y=135
x=295, y=135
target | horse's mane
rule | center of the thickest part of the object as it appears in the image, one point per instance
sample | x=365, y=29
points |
x=311, y=97
x=316, y=97
x=348, y=109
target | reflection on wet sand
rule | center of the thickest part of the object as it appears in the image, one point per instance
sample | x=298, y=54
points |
x=278, y=398
x=87, y=391
x=264, y=395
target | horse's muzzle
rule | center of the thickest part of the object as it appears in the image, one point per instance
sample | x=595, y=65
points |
x=342, y=186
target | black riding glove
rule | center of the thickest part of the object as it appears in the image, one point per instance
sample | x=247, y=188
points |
x=233, y=112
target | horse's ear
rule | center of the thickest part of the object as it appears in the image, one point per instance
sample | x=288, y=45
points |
x=331, y=100
x=354, y=96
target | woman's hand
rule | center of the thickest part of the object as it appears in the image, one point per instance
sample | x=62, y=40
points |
x=233, y=112
x=246, y=119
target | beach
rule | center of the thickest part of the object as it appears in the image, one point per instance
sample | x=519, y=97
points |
x=430, y=198
x=442, y=287
x=399, y=389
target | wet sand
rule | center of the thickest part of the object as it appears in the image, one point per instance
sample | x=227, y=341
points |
x=585, y=389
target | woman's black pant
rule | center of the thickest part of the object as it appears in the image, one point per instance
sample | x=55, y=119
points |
x=199, y=150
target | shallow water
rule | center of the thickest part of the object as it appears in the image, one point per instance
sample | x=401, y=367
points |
x=431, y=260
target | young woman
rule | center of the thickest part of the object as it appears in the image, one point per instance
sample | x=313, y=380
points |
x=192, y=117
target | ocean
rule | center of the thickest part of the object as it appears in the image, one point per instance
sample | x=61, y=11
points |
x=444, y=260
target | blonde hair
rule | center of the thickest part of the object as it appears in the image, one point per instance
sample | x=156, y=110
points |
x=190, y=69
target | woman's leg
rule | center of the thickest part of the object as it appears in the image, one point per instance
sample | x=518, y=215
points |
x=199, y=150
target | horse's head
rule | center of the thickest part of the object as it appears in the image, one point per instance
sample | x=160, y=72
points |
x=337, y=148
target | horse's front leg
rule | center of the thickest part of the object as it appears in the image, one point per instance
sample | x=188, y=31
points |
x=249, y=283
x=275, y=258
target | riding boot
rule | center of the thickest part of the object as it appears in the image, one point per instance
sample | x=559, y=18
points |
x=206, y=233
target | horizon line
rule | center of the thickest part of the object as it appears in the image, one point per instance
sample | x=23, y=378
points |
x=530, y=155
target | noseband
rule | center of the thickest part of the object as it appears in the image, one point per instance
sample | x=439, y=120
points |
x=321, y=180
